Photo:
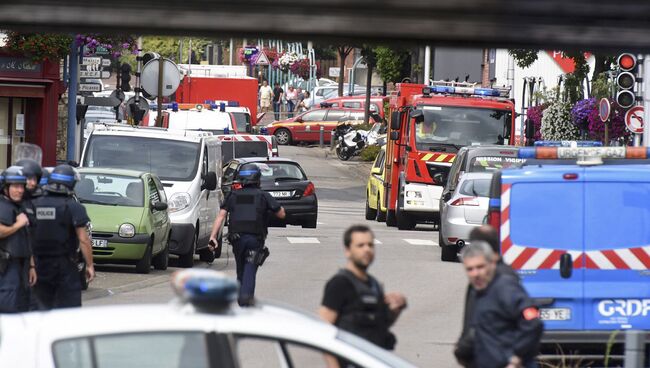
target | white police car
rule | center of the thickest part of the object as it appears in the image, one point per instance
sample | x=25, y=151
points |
x=199, y=330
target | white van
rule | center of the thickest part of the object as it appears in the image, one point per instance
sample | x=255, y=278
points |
x=189, y=166
x=202, y=119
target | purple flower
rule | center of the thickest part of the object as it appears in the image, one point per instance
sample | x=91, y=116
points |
x=535, y=115
x=581, y=111
x=125, y=45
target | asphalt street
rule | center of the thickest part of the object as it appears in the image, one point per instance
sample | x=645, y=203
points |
x=302, y=260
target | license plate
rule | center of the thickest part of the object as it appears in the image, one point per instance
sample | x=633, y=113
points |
x=555, y=314
x=100, y=243
x=280, y=194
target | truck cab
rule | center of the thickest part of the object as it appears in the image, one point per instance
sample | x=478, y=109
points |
x=575, y=224
x=428, y=125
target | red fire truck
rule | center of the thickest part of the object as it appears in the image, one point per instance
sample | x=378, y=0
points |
x=428, y=125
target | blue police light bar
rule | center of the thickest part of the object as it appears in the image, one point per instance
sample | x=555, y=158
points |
x=213, y=106
x=443, y=89
x=555, y=153
x=226, y=130
x=233, y=103
x=209, y=102
x=568, y=144
x=486, y=92
x=527, y=152
x=489, y=92
x=205, y=287
x=222, y=107
x=174, y=106
x=264, y=130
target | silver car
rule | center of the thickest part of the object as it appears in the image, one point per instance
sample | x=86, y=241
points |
x=464, y=211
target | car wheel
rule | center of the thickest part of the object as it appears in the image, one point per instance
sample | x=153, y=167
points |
x=161, y=260
x=441, y=242
x=310, y=223
x=449, y=253
x=187, y=260
x=391, y=218
x=283, y=136
x=371, y=214
x=381, y=215
x=144, y=265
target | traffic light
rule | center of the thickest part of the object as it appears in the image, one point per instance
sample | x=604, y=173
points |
x=626, y=80
x=125, y=77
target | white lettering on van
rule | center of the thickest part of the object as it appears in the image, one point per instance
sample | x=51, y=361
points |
x=624, y=307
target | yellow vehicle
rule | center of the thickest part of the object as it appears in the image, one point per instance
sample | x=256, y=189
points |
x=375, y=191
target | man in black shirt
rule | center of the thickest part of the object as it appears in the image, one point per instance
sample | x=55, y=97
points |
x=278, y=93
x=504, y=322
x=464, y=351
x=354, y=300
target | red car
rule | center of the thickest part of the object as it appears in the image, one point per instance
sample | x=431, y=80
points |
x=357, y=102
x=306, y=126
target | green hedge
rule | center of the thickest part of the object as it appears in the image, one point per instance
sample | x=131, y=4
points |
x=369, y=153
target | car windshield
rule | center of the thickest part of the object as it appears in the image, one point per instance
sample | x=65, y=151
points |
x=493, y=163
x=114, y=190
x=169, y=159
x=275, y=171
x=241, y=120
x=461, y=126
x=476, y=187
x=230, y=150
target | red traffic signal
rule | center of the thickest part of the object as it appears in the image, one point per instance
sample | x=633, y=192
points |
x=626, y=62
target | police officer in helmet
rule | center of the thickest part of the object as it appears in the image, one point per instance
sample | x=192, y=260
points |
x=33, y=172
x=249, y=209
x=17, y=273
x=60, y=231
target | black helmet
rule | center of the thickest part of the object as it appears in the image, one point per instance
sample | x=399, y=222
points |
x=249, y=175
x=44, y=178
x=62, y=179
x=31, y=168
x=14, y=175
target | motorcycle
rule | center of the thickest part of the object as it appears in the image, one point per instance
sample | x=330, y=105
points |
x=350, y=142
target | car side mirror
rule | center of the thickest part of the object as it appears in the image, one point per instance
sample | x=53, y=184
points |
x=418, y=115
x=159, y=206
x=209, y=181
x=394, y=136
x=248, y=128
x=446, y=196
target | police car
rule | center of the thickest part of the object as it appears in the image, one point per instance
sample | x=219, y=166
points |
x=575, y=224
x=200, y=329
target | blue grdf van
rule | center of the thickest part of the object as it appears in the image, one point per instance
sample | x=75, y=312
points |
x=574, y=222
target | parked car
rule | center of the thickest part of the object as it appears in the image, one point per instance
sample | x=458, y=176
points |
x=465, y=210
x=202, y=328
x=375, y=206
x=306, y=126
x=287, y=182
x=128, y=210
x=356, y=102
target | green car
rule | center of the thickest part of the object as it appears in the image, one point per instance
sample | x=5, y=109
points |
x=128, y=212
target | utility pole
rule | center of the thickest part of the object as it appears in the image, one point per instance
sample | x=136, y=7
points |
x=72, y=100
x=646, y=100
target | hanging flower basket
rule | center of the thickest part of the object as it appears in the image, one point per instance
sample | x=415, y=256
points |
x=535, y=115
x=557, y=124
x=39, y=47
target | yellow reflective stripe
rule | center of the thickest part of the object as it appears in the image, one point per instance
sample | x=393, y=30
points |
x=427, y=157
x=452, y=159
x=441, y=158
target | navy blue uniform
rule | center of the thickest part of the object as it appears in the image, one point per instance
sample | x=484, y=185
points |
x=14, y=253
x=249, y=209
x=55, y=248
x=504, y=323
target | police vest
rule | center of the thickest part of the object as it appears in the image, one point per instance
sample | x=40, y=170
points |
x=249, y=213
x=55, y=233
x=367, y=316
x=16, y=244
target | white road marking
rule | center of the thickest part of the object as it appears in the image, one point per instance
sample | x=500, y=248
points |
x=420, y=241
x=302, y=240
x=320, y=223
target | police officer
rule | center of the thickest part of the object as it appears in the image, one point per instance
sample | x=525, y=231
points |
x=17, y=273
x=33, y=172
x=249, y=208
x=505, y=322
x=354, y=300
x=60, y=231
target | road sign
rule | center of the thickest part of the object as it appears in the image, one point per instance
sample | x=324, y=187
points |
x=604, y=108
x=334, y=72
x=171, y=77
x=96, y=60
x=262, y=59
x=102, y=74
x=90, y=87
x=634, y=119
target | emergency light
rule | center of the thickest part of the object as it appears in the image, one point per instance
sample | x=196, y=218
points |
x=554, y=153
x=233, y=103
x=264, y=130
x=222, y=107
x=226, y=130
x=205, y=287
x=568, y=144
x=488, y=92
x=174, y=106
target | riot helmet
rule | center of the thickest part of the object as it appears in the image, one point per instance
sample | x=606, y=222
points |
x=44, y=178
x=62, y=180
x=31, y=170
x=14, y=175
x=249, y=175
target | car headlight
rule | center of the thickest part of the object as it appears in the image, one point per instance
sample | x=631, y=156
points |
x=413, y=194
x=178, y=202
x=127, y=231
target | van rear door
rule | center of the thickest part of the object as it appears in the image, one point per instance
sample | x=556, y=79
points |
x=617, y=247
x=542, y=219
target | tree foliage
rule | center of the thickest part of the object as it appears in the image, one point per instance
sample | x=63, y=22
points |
x=169, y=47
x=390, y=63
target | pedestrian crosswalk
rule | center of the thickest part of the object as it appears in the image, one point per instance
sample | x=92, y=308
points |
x=315, y=240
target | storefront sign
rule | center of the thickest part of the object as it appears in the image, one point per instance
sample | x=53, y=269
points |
x=18, y=65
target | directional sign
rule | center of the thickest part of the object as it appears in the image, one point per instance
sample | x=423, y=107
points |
x=96, y=60
x=90, y=87
x=100, y=50
x=604, y=109
x=262, y=59
x=634, y=119
x=103, y=74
